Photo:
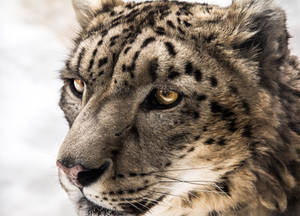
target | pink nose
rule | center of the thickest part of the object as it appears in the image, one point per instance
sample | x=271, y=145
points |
x=80, y=176
x=72, y=173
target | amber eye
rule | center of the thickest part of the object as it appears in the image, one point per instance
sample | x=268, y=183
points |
x=77, y=87
x=166, y=97
x=161, y=99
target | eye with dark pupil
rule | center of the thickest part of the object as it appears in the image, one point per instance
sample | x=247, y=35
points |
x=161, y=99
x=77, y=87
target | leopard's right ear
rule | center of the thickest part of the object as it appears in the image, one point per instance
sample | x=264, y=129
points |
x=85, y=9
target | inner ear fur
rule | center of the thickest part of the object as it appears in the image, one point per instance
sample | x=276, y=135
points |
x=259, y=30
x=85, y=9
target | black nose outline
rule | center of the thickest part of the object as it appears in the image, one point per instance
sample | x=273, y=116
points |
x=89, y=176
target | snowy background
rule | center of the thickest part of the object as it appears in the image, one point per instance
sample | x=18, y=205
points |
x=35, y=36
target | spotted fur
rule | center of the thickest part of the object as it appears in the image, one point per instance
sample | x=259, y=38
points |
x=231, y=144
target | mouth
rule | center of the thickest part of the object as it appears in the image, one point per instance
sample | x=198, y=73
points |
x=129, y=209
x=97, y=210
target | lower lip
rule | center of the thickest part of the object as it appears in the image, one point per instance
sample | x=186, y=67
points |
x=99, y=210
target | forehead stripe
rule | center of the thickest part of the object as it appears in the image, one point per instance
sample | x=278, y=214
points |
x=79, y=60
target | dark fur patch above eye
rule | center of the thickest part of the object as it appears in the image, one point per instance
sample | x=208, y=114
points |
x=148, y=41
x=188, y=68
x=152, y=69
x=173, y=74
x=170, y=48
x=198, y=75
x=79, y=60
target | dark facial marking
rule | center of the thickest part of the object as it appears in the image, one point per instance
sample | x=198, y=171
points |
x=170, y=48
x=210, y=38
x=148, y=41
x=126, y=50
x=152, y=69
x=198, y=75
x=247, y=131
x=100, y=43
x=91, y=64
x=180, y=31
x=233, y=90
x=81, y=54
x=215, y=107
x=213, y=81
x=178, y=139
x=232, y=125
x=102, y=61
x=223, y=187
x=170, y=23
x=160, y=30
x=194, y=114
x=201, y=97
x=209, y=141
x=178, y=20
x=213, y=213
x=191, y=149
x=100, y=73
x=246, y=106
x=173, y=74
x=221, y=142
x=168, y=164
x=188, y=68
x=187, y=24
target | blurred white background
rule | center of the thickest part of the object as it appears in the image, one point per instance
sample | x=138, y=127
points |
x=35, y=37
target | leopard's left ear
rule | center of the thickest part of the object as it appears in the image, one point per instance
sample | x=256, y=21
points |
x=259, y=29
x=85, y=9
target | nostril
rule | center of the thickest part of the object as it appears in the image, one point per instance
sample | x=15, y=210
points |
x=86, y=177
x=80, y=176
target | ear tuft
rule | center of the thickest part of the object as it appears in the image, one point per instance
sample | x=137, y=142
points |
x=260, y=29
x=85, y=9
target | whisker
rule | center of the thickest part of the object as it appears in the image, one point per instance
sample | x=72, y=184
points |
x=198, y=190
x=177, y=170
x=164, y=193
x=134, y=206
x=188, y=182
x=180, y=180
x=162, y=203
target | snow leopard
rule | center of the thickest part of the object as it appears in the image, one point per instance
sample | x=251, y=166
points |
x=181, y=109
